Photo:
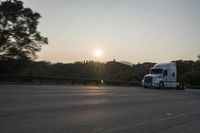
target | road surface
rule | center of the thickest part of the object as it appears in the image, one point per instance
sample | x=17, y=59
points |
x=86, y=109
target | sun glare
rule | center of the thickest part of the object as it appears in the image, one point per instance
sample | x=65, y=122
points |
x=98, y=53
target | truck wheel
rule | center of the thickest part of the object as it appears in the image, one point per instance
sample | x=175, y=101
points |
x=182, y=87
x=178, y=87
x=161, y=85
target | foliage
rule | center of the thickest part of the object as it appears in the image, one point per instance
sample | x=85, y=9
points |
x=19, y=38
x=192, y=77
x=198, y=57
x=93, y=70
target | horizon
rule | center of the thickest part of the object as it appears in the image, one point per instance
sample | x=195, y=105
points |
x=104, y=62
x=132, y=31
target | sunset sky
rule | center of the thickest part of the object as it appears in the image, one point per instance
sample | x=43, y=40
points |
x=125, y=30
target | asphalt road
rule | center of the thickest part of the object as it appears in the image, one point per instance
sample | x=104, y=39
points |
x=83, y=109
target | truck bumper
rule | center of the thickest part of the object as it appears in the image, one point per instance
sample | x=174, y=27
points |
x=150, y=84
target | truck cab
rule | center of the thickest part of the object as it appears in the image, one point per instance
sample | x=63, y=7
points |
x=163, y=75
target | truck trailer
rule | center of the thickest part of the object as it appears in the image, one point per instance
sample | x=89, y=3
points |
x=162, y=75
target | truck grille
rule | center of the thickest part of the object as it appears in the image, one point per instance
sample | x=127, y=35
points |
x=148, y=79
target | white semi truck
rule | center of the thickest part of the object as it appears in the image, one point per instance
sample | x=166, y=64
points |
x=163, y=75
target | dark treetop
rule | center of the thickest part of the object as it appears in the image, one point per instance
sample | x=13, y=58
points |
x=19, y=38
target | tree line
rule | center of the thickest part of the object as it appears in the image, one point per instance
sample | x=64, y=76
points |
x=188, y=71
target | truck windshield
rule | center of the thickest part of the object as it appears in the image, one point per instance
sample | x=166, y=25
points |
x=156, y=71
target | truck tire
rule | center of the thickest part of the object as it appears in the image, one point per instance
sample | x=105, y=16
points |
x=182, y=87
x=161, y=85
x=178, y=87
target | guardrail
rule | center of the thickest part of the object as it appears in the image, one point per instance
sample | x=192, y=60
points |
x=5, y=78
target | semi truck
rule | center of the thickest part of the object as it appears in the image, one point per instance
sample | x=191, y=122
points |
x=162, y=75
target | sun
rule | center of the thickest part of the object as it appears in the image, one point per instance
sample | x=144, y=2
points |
x=98, y=53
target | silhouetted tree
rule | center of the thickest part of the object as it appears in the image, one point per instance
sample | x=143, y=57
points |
x=19, y=37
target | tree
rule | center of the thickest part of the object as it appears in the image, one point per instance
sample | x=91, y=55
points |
x=19, y=37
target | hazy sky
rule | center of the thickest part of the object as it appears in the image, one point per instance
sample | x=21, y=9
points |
x=125, y=30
